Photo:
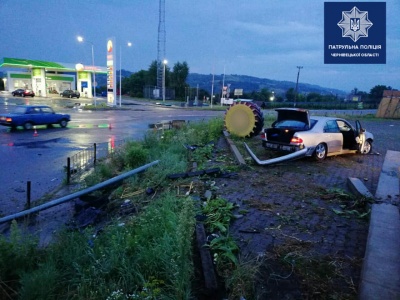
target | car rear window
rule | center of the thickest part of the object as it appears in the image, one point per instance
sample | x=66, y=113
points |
x=291, y=124
x=295, y=124
x=312, y=123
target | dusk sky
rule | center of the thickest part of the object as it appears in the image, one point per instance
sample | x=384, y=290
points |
x=262, y=38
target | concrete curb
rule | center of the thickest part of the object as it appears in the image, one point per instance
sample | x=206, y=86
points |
x=380, y=276
x=234, y=149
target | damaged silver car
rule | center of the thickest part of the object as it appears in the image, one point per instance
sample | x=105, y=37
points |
x=298, y=134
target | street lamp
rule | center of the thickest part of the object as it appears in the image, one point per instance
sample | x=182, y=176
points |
x=120, y=71
x=80, y=39
x=272, y=98
x=163, y=83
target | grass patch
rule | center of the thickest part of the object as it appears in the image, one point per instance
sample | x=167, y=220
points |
x=144, y=256
x=147, y=255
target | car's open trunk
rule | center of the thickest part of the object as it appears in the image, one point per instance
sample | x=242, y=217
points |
x=280, y=135
x=285, y=134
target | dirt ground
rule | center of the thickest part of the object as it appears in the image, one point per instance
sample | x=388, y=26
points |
x=300, y=220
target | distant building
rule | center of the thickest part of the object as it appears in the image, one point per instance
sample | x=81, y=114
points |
x=353, y=98
x=389, y=107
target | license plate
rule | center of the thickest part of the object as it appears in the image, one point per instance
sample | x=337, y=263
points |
x=286, y=148
x=273, y=146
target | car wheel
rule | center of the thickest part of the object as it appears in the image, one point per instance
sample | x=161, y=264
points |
x=28, y=126
x=320, y=152
x=23, y=95
x=63, y=123
x=77, y=97
x=367, y=147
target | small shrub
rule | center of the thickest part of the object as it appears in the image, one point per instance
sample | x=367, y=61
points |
x=117, y=161
x=135, y=155
x=219, y=214
x=202, y=154
x=224, y=249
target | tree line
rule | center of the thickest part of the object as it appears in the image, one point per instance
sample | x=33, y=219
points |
x=175, y=78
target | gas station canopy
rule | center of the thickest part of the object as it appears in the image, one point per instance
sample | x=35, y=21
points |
x=47, y=78
x=48, y=66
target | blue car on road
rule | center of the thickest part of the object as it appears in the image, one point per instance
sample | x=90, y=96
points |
x=28, y=116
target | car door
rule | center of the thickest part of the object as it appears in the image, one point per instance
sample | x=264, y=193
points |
x=48, y=116
x=332, y=136
x=360, y=136
x=349, y=135
x=33, y=115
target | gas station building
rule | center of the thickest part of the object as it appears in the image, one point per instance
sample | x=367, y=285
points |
x=48, y=79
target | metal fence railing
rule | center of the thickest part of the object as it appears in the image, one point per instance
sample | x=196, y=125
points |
x=87, y=158
x=75, y=195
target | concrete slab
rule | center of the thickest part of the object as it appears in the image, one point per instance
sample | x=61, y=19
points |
x=376, y=292
x=380, y=277
x=358, y=188
x=388, y=185
x=383, y=247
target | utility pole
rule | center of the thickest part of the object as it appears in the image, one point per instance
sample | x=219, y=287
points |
x=161, y=41
x=223, y=87
x=212, y=90
x=297, y=85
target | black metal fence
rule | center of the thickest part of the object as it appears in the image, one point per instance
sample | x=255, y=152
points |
x=87, y=158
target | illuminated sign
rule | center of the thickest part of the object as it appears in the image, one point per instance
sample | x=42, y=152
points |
x=111, y=73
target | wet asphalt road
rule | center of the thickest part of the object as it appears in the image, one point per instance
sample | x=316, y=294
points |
x=41, y=159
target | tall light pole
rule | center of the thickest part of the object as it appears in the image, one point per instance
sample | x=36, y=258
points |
x=81, y=40
x=223, y=88
x=120, y=71
x=163, y=82
x=212, y=90
x=297, y=85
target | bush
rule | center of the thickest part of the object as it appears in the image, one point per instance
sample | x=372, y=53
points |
x=135, y=155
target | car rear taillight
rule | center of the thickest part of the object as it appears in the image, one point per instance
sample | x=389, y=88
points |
x=8, y=120
x=263, y=135
x=296, y=140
